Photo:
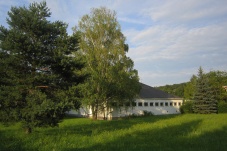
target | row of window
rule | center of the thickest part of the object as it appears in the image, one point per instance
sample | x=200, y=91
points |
x=159, y=104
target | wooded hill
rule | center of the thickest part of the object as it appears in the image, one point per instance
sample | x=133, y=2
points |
x=216, y=80
x=175, y=89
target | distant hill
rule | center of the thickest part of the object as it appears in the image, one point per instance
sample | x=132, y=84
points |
x=186, y=90
x=175, y=89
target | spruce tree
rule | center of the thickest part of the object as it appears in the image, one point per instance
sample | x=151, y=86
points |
x=205, y=97
x=39, y=68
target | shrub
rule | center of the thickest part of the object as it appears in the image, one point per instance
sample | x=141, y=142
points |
x=222, y=107
x=187, y=107
x=147, y=113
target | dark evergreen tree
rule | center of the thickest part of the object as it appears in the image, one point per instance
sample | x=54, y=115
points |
x=39, y=68
x=205, y=96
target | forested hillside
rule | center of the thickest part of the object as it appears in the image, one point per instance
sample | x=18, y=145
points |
x=216, y=80
x=175, y=89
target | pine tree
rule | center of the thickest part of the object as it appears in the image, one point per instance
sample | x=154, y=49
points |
x=205, y=97
x=39, y=68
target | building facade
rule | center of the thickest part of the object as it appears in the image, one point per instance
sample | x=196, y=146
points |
x=150, y=100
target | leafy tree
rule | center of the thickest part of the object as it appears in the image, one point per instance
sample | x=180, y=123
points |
x=205, y=95
x=189, y=89
x=222, y=107
x=187, y=107
x=112, y=78
x=218, y=79
x=39, y=68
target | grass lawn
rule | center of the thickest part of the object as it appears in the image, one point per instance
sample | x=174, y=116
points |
x=188, y=132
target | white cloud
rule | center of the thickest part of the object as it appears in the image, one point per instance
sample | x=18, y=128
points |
x=129, y=20
x=156, y=78
x=187, y=10
x=173, y=43
x=168, y=40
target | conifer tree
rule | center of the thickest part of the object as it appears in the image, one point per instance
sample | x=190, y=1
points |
x=39, y=69
x=205, y=97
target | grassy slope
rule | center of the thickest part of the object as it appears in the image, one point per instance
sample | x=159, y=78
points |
x=172, y=132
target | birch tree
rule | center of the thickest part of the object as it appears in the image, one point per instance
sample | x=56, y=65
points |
x=112, y=77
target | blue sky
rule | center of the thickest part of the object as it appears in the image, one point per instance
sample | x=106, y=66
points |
x=168, y=39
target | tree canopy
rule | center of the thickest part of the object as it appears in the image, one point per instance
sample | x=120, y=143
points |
x=39, y=69
x=112, y=77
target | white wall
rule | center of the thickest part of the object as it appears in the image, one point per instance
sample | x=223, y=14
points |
x=160, y=107
x=82, y=112
x=171, y=106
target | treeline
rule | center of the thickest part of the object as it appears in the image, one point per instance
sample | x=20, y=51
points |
x=217, y=79
x=175, y=89
x=204, y=93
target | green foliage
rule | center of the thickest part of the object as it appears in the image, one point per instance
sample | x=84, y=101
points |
x=175, y=89
x=39, y=68
x=205, y=96
x=215, y=80
x=222, y=107
x=111, y=74
x=147, y=113
x=187, y=107
x=187, y=132
x=189, y=89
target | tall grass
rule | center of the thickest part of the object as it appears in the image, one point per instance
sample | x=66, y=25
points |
x=173, y=132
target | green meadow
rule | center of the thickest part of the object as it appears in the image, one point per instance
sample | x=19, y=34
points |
x=188, y=132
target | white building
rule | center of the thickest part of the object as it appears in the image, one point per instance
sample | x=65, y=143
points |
x=150, y=100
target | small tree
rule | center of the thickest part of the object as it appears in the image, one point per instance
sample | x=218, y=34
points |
x=189, y=89
x=187, y=107
x=205, y=97
x=39, y=69
x=111, y=74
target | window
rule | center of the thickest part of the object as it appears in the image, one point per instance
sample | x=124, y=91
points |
x=151, y=104
x=161, y=104
x=179, y=103
x=171, y=104
x=175, y=104
x=166, y=104
x=145, y=104
x=156, y=103
x=140, y=104
x=133, y=103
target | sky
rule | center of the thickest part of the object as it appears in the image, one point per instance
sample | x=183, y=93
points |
x=168, y=39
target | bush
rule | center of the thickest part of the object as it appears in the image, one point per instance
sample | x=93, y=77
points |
x=222, y=107
x=187, y=107
x=147, y=113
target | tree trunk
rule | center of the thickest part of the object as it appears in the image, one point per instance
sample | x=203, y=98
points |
x=94, y=112
x=28, y=130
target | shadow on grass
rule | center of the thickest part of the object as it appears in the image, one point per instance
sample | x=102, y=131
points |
x=12, y=139
x=95, y=127
x=173, y=138
x=10, y=142
x=187, y=136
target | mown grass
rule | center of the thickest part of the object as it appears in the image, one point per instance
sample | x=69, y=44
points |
x=159, y=133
